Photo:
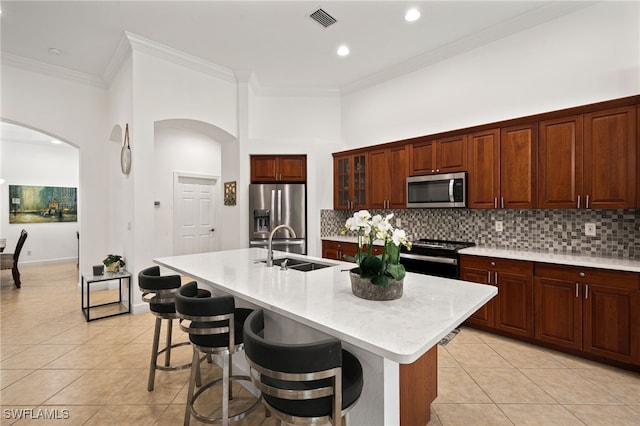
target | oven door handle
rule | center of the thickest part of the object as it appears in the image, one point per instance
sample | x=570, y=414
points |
x=433, y=259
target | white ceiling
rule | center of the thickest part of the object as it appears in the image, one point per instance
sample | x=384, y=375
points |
x=276, y=40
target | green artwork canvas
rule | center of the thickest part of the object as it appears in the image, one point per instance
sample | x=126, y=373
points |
x=42, y=204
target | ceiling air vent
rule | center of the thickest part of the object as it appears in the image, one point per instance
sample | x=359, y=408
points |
x=323, y=18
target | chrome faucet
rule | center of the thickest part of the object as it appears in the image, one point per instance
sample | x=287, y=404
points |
x=270, y=248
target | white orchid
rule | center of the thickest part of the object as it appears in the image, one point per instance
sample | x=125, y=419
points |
x=377, y=228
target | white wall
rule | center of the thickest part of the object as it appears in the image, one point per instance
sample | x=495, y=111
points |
x=39, y=165
x=302, y=125
x=588, y=56
x=178, y=150
x=75, y=113
x=166, y=90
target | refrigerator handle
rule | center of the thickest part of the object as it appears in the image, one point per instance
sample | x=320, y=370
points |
x=272, y=214
x=279, y=207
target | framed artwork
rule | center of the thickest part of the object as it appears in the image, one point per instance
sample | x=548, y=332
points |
x=42, y=204
x=230, y=193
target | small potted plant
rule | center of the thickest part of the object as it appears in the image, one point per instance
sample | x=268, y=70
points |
x=377, y=277
x=113, y=262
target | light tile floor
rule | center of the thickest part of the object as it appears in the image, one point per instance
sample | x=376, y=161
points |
x=96, y=373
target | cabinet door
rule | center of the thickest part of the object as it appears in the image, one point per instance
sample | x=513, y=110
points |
x=451, y=154
x=484, y=315
x=612, y=322
x=514, y=305
x=518, y=166
x=264, y=168
x=379, y=186
x=560, y=163
x=558, y=312
x=398, y=164
x=292, y=168
x=423, y=158
x=610, y=158
x=360, y=171
x=342, y=182
x=484, y=169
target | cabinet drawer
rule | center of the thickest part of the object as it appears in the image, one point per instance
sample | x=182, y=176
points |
x=496, y=264
x=585, y=275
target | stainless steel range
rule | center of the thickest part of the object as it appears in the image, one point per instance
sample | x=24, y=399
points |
x=434, y=257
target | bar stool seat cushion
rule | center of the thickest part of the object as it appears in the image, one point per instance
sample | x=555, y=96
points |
x=351, y=389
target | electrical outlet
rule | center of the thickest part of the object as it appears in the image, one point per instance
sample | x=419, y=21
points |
x=398, y=222
x=590, y=229
x=499, y=226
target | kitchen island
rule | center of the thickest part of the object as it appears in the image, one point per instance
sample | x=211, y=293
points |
x=396, y=341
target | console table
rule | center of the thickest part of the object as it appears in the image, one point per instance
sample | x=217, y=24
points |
x=116, y=305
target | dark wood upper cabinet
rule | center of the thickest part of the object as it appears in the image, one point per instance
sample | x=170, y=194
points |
x=610, y=159
x=589, y=161
x=560, y=163
x=387, y=181
x=350, y=181
x=503, y=168
x=519, y=166
x=446, y=155
x=484, y=169
x=581, y=157
x=278, y=168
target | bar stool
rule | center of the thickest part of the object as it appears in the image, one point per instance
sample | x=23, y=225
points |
x=302, y=383
x=159, y=292
x=214, y=326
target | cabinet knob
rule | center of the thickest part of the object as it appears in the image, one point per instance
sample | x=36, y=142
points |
x=493, y=263
x=437, y=170
x=433, y=171
x=582, y=274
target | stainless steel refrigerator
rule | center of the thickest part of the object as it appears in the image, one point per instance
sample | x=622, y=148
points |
x=275, y=204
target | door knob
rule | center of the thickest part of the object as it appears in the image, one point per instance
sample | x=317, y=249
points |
x=212, y=229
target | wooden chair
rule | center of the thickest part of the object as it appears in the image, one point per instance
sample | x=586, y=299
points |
x=10, y=260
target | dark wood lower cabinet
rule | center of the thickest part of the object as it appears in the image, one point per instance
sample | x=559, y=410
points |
x=587, y=311
x=511, y=310
x=591, y=310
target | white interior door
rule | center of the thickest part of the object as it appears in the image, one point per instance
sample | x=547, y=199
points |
x=194, y=214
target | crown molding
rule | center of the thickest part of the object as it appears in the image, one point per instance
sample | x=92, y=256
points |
x=180, y=58
x=123, y=50
x=51, y=70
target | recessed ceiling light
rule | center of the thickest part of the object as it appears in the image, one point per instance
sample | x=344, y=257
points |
x=342, y=50
x=55, y=142
x=55, y=51
x=412, y=15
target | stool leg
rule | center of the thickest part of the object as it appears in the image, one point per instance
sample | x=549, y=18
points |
x=225, y=388
x=199, y=372
x=192, y=382
x=154, y=354
x=167, y=354
x=230, y=373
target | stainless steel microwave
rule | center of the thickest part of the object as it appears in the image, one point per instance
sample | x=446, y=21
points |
x=437, y=191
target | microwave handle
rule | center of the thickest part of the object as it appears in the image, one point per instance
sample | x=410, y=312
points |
x=451, y=199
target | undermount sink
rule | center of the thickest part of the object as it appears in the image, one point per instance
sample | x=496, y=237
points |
x=302, y=265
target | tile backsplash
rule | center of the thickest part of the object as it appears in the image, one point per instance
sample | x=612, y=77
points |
x=557, y=231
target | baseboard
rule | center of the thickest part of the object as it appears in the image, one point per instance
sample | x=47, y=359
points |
x=28, y=263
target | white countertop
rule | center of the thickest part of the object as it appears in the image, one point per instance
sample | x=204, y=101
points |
x=557, y=258
x=401, y=330
x=350, y=239
x=535, y=256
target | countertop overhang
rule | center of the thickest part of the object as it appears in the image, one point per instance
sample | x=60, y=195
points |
x=400, y=330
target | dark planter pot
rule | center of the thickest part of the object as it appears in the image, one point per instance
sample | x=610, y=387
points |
x=364, y=289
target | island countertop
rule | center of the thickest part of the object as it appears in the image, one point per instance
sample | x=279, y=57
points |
x=400, y=330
